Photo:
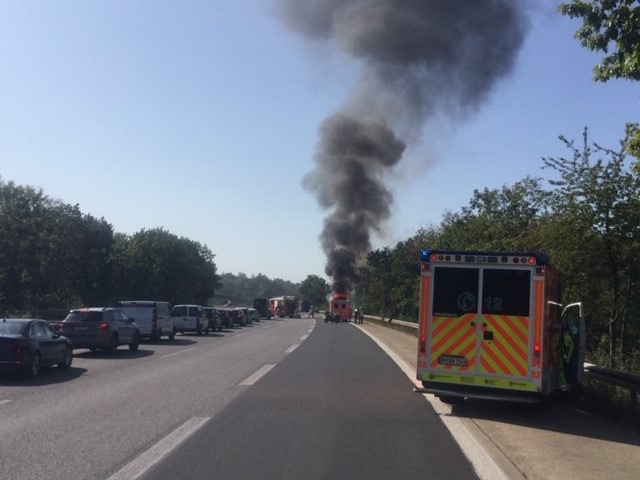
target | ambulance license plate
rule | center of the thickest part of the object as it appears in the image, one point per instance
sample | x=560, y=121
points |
x=456, y=360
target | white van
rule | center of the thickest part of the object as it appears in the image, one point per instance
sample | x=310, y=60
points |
x=190, y=318
x=153, y=318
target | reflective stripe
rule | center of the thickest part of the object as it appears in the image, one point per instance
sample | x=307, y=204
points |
x=507, y=353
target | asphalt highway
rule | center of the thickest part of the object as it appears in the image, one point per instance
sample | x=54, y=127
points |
x=287, y=398
x=336, y=408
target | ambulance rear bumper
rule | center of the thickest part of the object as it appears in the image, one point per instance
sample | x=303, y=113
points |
x=480, y=393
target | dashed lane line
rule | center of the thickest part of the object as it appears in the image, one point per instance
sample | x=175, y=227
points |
x=178, y=353
x=257, y=375
x=139, y=466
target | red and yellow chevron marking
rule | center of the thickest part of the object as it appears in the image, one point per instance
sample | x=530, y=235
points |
x=508, y=352
x=453, y=336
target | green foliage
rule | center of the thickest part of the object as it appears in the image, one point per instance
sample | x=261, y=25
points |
x=155, y=264
x=315, y=289
x=612, y=27
x=503, y=219
x=51, y=255
x=596, y=206
x=607, y=24
x=241, y=290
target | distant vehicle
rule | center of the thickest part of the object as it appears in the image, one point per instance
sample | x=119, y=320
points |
x=153, y=318
x=262, y=307
x=284, y=306
x=253, y=315
x=243, y=316
x=190, y=318
x=100, y=328
x=214, y=320
x=305, y=306
x=27, y=345
x=226, y=316
x=340, y=304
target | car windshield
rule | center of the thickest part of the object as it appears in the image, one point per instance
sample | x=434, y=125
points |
x=84, y=317
x=11, y=328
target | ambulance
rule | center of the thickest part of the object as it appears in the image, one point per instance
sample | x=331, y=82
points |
x=491, y=326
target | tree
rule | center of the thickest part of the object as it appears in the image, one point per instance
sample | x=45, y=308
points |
x=379, y=280
x=612, y=27
x=315, y=289
x=608, y=23
x=594, y=238
x=51, y=254
x=156, y=264
x=497, y=219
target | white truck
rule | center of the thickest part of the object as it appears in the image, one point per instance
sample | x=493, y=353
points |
x=153, y=318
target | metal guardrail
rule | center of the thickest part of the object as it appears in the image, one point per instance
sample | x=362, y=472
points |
x=625, y=380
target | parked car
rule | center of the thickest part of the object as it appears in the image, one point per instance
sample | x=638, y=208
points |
x=243, y=316
x=154, y=319
x=100, y=328
x=226, y=316
x=215, y=323
x=253, y=315
x=29, y=344
x=190, y=318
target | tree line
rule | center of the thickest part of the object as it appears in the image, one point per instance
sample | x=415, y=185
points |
x=54, y=257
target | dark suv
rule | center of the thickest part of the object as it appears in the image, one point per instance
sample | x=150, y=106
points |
x=100, y=328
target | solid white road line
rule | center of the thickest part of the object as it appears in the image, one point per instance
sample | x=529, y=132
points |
x=484, y=465
x=136, y=468
x=254, y=377
x=292, y=348
x=2, y=402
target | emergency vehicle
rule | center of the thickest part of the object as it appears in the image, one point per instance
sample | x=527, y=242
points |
x=340, y=303
x=284, y=306
x=491, y=327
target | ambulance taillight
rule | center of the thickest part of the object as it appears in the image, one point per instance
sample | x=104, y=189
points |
x=423, y=344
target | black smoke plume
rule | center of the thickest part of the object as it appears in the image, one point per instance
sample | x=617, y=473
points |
x=416, y=56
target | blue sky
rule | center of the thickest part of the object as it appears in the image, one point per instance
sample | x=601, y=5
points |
x=202, y=117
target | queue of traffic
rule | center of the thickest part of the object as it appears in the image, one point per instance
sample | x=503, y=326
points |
x=27, y=345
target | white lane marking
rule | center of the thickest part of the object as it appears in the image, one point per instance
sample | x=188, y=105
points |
x=139, y=466
x=483, y=464
x=178, y=353
x=254, y=377
x=2, y=402
x=292, y=348
x=304, y=337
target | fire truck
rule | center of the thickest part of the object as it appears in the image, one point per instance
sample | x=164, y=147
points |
x=491, y=327
x=340, y=304
x=284, y=306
